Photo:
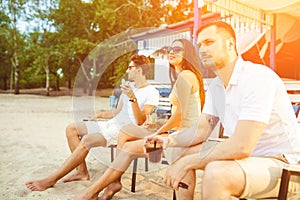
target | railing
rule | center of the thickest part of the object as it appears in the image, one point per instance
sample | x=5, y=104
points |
x=293, y=89
x=243, y=17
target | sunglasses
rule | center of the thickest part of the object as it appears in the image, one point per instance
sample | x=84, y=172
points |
x=130, y=67
x=175, y=49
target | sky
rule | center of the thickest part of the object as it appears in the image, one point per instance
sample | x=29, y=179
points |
x=24, y=25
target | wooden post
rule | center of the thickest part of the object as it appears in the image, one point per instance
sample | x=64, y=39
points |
x=272, y=44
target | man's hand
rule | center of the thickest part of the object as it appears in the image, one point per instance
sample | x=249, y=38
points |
x=175, y=173
x=127, y=90
x=95, y=117
x=92, y=118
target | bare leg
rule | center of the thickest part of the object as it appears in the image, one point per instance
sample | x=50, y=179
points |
x=111, y=190
x=127, y=134
x=73, y=161
x=130, y=151
x=73, y=133
x=130, y=133
x=220, y=180
x=190, y=178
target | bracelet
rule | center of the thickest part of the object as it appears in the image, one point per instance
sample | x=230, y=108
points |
x=133, y=100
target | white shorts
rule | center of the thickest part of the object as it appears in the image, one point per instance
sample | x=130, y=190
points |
x=263, y=175
x=109, y=129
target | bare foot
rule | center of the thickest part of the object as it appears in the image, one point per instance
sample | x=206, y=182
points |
x=86, y=196
x=111, y=190
x=77, y=177
x=39, y=185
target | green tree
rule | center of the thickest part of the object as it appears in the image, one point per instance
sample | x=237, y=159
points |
x=45, y=43
x=15, y=9
x=5, y=50
x=74, y=34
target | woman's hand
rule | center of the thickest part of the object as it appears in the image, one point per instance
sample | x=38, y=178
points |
x=158, y=139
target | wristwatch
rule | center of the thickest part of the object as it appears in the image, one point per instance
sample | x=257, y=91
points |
x=133, y=100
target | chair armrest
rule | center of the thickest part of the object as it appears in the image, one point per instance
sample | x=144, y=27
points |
x=292, y=167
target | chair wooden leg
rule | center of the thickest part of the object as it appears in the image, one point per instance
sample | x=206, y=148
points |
x=112, y=156
x=285, y=180
x=146, y=164
x=174, y=195
x=284, y=184
x=133, y=179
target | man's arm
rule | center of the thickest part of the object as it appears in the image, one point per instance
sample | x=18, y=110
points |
x=140, y=115
x=239, y=146
x=110, y=113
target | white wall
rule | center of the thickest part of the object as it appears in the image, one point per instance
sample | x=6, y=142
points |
x=161, y=71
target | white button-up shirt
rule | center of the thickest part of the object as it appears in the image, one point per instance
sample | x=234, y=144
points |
x=256, y=93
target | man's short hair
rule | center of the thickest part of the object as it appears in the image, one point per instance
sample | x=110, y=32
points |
x=221, y=26
x=142, y=62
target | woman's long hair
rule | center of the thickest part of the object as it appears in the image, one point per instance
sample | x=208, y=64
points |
x=191, y=62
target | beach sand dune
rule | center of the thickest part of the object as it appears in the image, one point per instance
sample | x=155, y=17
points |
x=33, y=144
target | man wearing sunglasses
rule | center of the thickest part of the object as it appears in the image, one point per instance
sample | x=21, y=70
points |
x=136, y=101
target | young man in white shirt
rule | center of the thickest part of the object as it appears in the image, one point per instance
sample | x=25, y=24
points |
x=136, y=101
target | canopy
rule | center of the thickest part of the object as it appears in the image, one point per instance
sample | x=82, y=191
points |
x=287, y=19
x=288, y=7
x=283, y=16
x=287, y=42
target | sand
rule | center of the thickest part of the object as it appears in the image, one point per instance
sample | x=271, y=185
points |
x=33, y=144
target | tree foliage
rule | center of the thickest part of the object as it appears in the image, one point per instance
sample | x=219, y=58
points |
x=71, y=37
x=14, y=10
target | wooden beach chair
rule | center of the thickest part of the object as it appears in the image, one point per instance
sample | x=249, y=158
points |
x=290, y=169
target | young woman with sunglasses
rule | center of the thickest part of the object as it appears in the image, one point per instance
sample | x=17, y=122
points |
x=187, y=99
